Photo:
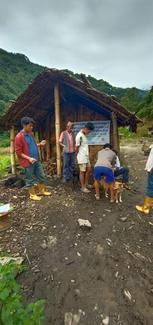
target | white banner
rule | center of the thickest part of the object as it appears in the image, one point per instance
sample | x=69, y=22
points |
x=99, y=136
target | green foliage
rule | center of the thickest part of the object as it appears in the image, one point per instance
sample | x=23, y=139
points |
x=17, y=72
x=4, y=139
x=4, y=164
x=124, y=133
x=146, y=107
x=12, y=310
x=132, y=99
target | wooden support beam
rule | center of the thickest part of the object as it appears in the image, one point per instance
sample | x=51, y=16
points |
x=12, y=150
x=42, y=152
x=57, y=127
x=115, y=133
x=48, y=139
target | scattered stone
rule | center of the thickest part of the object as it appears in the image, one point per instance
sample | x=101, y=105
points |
x=84, y=223
x=127, y=294
x=44, y=244
x=78, y=254
x=105, y=320
x=116, y=274
x=123, y=219
x=72, y=281
x=72, y=319
x=51, y=241
x=99, y=249
x=6, y=259
x=68, y=319
x=77, y=291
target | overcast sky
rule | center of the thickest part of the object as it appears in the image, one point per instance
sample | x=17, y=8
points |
x=109, y=39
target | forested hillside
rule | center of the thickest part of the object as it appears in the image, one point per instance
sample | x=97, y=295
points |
x=17, y=72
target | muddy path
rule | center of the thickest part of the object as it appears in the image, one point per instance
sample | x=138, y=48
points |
x=103, y=275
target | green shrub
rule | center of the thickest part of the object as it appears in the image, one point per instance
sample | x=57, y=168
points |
x=4, y=139
x=12, y=310
x=4, y=164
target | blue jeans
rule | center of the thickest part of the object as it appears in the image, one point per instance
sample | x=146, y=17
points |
x=124, y=172
x=68, y=165
x=33, y=172
x=150, y=185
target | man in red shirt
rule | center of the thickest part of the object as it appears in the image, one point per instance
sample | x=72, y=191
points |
x=28, y=155
x=67, y=142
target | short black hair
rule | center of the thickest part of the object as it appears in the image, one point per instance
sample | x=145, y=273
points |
x=89, y=126
x=107, y=145
x=27, y=120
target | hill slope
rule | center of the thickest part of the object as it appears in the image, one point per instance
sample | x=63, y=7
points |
x=16, y=72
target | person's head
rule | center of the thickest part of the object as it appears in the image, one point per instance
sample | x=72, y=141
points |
x=88, y=128
x=69, y=126
x=107, y=146
x=27, y=123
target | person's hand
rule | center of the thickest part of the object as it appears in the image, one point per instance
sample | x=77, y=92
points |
x=43, y=143
x=32, y=160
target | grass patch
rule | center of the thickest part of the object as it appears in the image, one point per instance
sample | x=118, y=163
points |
x=12, y=310
x=5, y=162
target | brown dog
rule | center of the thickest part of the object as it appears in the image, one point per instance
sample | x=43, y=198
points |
x=118, y=189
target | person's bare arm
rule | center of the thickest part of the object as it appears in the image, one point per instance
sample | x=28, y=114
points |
x=77, y=149
x=41, y=144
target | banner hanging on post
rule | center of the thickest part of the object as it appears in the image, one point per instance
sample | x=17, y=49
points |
x=99, y=136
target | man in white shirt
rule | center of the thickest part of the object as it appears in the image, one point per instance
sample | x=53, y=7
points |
x=148, y=200
x=82, y=150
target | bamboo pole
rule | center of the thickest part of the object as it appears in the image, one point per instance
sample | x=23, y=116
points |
x=48, y=139
x=12, y=150
x=115, y=133
x=57, y=127
x=41, y=148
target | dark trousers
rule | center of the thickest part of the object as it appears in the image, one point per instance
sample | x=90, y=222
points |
x=68, y=165
x=150, y=185
x=124, y=172
x=34, y=173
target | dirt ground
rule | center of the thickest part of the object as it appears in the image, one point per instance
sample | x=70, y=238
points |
x=103, y=275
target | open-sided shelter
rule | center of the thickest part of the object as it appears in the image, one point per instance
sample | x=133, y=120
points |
x=55, y=97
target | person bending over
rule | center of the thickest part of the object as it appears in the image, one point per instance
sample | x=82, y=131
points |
x=104, y=169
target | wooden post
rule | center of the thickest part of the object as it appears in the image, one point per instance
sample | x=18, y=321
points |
x=12, y=150
x=115, y=133
x=48, y=139
x=40, y=134
x=57, y=127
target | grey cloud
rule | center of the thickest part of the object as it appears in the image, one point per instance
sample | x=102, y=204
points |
x=110, y=39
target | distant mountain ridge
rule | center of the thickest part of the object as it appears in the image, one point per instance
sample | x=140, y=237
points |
x=17, y=72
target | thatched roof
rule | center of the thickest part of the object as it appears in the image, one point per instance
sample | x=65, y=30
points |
x=38, y=99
